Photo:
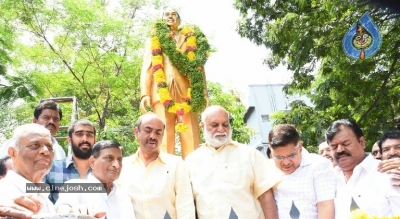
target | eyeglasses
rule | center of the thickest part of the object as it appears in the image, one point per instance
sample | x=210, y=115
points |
x=289, y=157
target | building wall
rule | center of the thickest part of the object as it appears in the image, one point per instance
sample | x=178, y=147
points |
x=265, y=99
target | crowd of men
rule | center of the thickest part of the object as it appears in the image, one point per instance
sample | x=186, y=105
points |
x=220, y=179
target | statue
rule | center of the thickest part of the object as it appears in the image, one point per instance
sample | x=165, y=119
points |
x=172, y=80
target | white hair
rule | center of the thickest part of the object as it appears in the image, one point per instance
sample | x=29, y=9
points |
x=211, y=109
x=27, y=129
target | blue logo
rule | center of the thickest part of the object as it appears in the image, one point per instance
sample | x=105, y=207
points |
x=363, y=39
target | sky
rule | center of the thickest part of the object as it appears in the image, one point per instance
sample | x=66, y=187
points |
x=238, y=62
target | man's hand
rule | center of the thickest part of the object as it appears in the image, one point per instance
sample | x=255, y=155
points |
x=80, y=210
x=24, y=207
x=386, y=165
x=392, y=167
x=144, y=102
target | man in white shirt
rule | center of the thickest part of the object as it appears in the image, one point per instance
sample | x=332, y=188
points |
x=359, y=184
x=32, y=156
x=325, y=151
x=106, y=164
x=375, y=151
x=48, y=114
x=308, y=187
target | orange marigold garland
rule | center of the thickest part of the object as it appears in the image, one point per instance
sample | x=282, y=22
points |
x=184, y=65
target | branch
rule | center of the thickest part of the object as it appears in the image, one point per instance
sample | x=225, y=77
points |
x=377, y=98
x=104, y=115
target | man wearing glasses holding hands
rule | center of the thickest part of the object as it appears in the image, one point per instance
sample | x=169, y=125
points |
x=308, y=187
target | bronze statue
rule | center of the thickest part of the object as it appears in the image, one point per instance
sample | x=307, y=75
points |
x=173, y=81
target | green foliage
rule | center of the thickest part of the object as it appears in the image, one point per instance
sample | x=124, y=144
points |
x=78, y=48
x=306, y=36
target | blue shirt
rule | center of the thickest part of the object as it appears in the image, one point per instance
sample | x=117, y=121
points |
x=60, y=172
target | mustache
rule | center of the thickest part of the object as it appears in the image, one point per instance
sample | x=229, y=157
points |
x=151, y=141
x=50, y=125
x=85, y=142
x=394, y=156
x=220, y=133
x=345, y=153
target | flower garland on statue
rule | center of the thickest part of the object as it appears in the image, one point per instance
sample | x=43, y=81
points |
x=190, y=64
x=360, y=214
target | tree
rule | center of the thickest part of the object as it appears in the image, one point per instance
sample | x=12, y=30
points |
x=12, y=87
x=306, y=36
x=85, y=49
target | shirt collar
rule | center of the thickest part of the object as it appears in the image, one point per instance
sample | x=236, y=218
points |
x=95, y=180
x=53, y=140
x=305, y=159
x=161, y=156
x=19, y=181
x=69, y=160
x=369, y=164
x=230, y=143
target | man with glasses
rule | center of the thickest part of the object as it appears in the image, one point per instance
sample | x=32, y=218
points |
x=308, y=187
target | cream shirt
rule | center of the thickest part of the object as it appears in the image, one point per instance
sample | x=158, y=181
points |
x=230, y=178
x=116, y=204
x=13, y=185
x=371, y=190
x=163, y=186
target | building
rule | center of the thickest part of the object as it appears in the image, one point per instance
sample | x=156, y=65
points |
x=265, y=99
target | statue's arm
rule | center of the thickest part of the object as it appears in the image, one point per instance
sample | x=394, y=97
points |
x=146, y=79
x=146, y=76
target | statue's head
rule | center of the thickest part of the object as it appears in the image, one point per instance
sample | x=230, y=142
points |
x=172, y=18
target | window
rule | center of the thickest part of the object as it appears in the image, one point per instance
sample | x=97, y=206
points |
x=265, y=118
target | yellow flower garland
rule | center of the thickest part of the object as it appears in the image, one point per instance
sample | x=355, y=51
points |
x=159, y=76
x=360, y=214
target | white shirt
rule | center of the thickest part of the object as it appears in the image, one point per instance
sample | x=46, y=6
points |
x=312, y=182
x=13, y=185
x=59, y=152
x=372, y=191
x=117, y=204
